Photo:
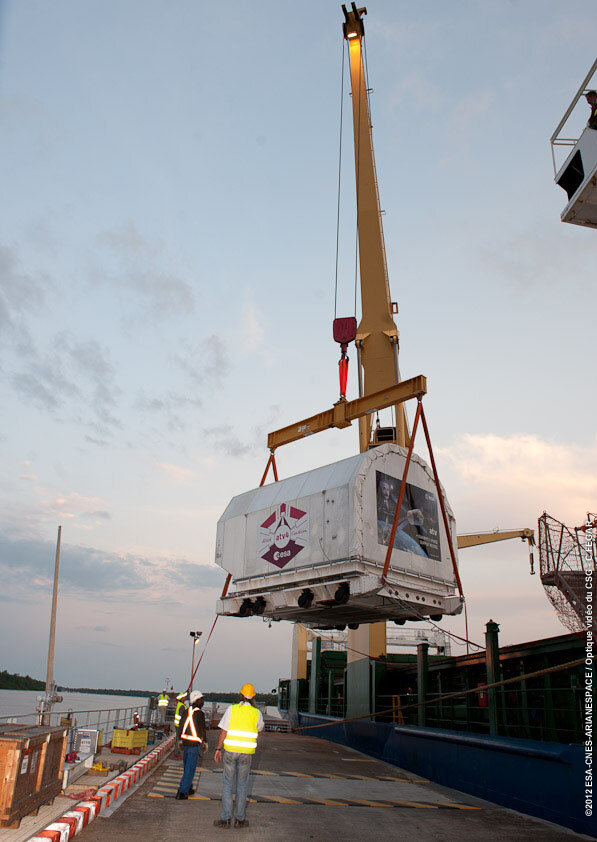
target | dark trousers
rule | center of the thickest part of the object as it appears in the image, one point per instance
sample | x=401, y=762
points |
x=190, y=758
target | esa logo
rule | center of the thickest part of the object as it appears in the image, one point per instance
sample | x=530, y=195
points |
x=283, y=534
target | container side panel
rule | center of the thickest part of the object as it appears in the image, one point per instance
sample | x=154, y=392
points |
x=336, y=524
x=420, y=544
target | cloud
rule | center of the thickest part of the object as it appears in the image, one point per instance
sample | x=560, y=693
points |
x=465, y=120
x=19, y=293
x=170, y=406
x=521, y=472
x=252, y=331
x=71, y=376
x=417, y=86
x=206, y=361
x=226, y=440
x=42, y=380
x=27, y=564
x=91, y=628
x=536, y=259
x=176, y=472
x=127, y=241
x=138, y=261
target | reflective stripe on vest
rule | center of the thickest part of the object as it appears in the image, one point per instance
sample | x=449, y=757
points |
x=242, y=732
x=163, y=701
x=192, y=736
x=180, y=707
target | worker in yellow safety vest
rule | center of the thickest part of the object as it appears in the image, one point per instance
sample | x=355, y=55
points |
x=239, y=729
x=180, y=707
x=163, y=702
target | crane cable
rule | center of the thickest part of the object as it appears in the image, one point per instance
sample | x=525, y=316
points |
x=358, y=171
x=339, y=185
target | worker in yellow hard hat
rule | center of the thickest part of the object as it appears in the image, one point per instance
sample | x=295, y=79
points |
x=239, y=728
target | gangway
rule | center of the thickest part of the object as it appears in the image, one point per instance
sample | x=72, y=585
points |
x=395, y=640
x=578, y=174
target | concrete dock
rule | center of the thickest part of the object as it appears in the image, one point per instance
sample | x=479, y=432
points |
x=307, y=788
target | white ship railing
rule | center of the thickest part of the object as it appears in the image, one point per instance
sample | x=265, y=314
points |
x=555, y=139
x=102, y=720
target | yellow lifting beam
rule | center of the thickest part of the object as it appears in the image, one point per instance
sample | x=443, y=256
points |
x=343, y=413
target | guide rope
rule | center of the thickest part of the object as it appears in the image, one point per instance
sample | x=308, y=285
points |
x=271, y=462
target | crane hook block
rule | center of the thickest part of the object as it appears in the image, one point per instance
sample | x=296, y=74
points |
x=345, y=330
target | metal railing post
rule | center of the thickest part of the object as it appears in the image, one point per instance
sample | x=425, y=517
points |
x=492, y=665
x=422, y=680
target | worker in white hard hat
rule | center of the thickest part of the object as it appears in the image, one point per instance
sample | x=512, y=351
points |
x=239, y=728
x=192, y=736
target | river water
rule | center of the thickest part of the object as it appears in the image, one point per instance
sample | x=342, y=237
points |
x=14, y=702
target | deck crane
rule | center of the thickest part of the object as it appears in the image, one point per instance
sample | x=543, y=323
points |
x=377, y=338
x=476, y=539
x=311, y=548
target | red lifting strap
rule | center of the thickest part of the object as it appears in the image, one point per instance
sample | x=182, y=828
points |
x=421, y=414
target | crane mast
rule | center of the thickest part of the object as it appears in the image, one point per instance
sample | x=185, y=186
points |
x=377, y=334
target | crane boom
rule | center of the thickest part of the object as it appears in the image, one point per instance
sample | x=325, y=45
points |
x=377, y=334
x=474, y=539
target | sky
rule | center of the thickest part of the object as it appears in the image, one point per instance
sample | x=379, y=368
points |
x=167, y=260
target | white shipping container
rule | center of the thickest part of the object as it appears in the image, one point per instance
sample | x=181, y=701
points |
x=311, y=533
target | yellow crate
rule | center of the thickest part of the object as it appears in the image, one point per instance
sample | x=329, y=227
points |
x=122, y=738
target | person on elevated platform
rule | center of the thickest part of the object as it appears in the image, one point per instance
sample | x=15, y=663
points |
x=591, y=98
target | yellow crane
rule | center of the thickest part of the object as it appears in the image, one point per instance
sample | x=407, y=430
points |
x=377, y=344
x=476, y=539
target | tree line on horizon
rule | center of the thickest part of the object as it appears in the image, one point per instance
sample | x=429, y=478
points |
x=14, y=681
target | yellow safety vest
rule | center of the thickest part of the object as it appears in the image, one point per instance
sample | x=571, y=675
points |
x=163, y=700
x=242, y=731
x=189, y=732
x=180, y=707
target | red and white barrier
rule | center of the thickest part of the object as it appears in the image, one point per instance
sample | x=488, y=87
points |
x=73, y=821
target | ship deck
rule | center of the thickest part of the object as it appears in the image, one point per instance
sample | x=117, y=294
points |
x=307, y=788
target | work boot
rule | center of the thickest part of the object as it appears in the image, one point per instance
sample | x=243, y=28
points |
x=181, y=796
x=191, y=791
x=222, y=823
x=241, y=822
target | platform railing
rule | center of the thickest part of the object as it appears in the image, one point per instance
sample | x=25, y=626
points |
x=105, y=720
x=556, y=139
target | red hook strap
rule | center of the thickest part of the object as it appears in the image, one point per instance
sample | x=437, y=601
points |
x=386, y=566
x=421, y=414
